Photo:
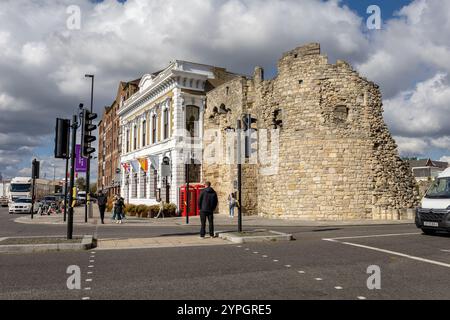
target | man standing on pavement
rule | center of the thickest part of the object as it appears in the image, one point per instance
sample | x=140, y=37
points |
x=207, y=204
x=102, y=200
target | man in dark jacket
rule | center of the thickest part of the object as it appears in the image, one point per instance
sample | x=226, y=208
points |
x=102, y=200
x=207, y=204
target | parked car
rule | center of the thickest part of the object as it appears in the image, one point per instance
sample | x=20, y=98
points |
x=81, y=197
x=20, y=205
x=433, y=214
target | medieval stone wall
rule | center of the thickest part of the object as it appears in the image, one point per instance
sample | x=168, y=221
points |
x=335, y=156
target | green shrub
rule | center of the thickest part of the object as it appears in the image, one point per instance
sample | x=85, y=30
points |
x=141, y=210
x=170, y=210
x=130, y=210
x=153, y=211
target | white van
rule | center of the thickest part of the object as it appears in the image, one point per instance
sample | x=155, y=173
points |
x=433, y=213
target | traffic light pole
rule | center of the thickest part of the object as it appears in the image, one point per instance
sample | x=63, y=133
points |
x=34, y=176
x=239, y=173
x=187, y=193
x=72, y=177
x=65, y=190
x=88, y=164
x=33, y=197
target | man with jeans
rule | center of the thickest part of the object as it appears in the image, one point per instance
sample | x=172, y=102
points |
x=207, y=204
x=102, y=201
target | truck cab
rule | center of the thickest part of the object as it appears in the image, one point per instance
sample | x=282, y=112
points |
x=20, y=187
x=433, y=214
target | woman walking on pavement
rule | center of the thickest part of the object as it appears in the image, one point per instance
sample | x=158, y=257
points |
x=231, y=203
x=118, y=209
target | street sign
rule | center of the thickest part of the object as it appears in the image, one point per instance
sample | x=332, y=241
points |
x=165, y=170
x=165, y=167
x=80, y=162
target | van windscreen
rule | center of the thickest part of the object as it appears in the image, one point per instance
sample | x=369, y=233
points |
x=439, y=189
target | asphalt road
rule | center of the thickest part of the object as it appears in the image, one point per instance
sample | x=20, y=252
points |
x=319, y=264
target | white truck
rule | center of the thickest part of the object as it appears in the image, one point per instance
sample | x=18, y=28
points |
x=4, y=193
x=21, y=187
x=433, y=214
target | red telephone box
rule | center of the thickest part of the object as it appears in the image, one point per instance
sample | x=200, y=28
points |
x=194, y=196
x=192, y=201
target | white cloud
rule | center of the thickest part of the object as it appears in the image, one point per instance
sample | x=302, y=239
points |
x=445, y=159
x=423, y=111
x=35, y=53
x=413, y=47
x=411, y=146
x=442, y=143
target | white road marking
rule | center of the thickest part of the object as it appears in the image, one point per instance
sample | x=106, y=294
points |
x=239, y=246
x=442, y=264
x=301, y=271
x=255, y=252
x=90, y=266
x=445, y=250
x=373, y=236
x=338, y=288
x=264, y=256
x=85, y=298
x=275, y=260
x=318, y=279
x=91, y=261
x=399, y=254
x=87, y=288
x=88, y=280
x=89, y=272
x=288, y=266
x=246, y=249
x=93, y=252
x=362, y=298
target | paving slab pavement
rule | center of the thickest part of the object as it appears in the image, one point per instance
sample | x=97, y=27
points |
x=158, y=242
x=222, y=220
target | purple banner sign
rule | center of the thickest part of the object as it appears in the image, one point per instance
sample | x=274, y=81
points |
x=80, y=162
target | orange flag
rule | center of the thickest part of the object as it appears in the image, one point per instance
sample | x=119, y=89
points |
x=144, y=164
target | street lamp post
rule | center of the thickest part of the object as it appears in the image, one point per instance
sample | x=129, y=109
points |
x=88, y=164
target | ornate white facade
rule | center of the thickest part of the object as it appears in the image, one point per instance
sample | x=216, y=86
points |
x=153, y=126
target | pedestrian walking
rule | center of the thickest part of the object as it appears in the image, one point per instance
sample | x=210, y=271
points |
x=102, y=200
x=207, y=204
x=232, y=203
x=161, y=209
x=118, y=209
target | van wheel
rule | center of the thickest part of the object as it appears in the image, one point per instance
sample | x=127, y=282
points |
x=429, y=232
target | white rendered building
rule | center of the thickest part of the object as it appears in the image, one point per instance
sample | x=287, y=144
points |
x=158, y=121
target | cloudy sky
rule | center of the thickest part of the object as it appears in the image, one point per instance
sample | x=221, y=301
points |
x=44, y=57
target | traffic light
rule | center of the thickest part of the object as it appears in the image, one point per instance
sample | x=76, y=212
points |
x=35, y=166
x=86, y=137
x=250, y=134
x=62, y=138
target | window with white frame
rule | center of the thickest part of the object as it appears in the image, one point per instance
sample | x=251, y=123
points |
x=166, y=124
x=144, y=133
